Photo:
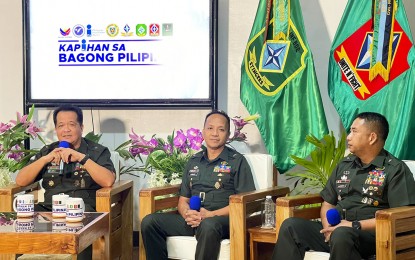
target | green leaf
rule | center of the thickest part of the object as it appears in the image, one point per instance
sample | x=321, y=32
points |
x=320, y=164
x=93, y=137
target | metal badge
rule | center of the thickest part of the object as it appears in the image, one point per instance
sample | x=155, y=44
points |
x=217, y=185
x=75, y=173
x=51, y=183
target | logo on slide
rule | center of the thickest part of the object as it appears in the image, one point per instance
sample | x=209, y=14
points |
x=167, y=29
x=65, y=32
x=127, y=31
x=141, y=30
x=112, y=30
x=154, y=29
x=79, y=30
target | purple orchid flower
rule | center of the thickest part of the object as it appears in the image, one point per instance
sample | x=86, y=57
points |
x=4, y=127
x=153, y=143
x=168, y=149
x=20, y=119
x=32, y=130
x=180, y=139
x=239, y=122
x=196, y=143
x=238, y=136
x=17, y=156
x=193, y=132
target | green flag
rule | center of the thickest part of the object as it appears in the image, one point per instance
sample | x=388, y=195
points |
x=371, y=69
x=278, y=81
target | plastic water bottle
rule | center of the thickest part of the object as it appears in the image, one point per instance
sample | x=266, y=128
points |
x=268, y=213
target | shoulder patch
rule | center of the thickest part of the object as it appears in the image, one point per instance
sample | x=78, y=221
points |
x=349, y=158
x=392, y=161
x=197, y=155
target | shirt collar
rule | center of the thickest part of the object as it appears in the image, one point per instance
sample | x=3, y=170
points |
x=83, y=148
x=378, y=162
x=224, y=155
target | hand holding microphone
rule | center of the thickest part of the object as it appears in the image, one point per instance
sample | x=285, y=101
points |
x=62, y=144
x=333, y=217
x=195, y=203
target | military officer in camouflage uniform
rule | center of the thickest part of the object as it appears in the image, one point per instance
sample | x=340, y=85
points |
x=87, y=165
x=215, y=173
x=362, y=183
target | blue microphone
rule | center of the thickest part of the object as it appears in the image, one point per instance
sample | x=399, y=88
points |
x=195, y=202
x=333, y=217
x=62, y=144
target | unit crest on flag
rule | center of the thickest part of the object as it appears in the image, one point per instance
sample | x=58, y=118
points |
x=265, y=60
x=354, y=63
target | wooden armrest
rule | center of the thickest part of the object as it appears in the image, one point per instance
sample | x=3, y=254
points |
x=7, y=194
x=258, y=194
x=116, y=188
x=167, y=197
x=395, y=233
x=107, y=197
x=290, y=206
x=159, y=191
x=299, y=200
x=394, y=214
x=118, y=201
x=244, y=212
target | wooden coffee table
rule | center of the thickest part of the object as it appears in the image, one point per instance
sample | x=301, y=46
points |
x=45, y=238
x=260, y=235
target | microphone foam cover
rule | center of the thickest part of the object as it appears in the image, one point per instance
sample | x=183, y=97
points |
x=333, y=217
x=195, y=203
x=64, y=144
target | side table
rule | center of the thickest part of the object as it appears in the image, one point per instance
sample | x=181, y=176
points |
x=260, y=235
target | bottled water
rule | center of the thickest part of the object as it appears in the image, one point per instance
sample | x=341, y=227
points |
x=268, y=213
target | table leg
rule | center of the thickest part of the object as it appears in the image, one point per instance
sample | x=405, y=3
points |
x=100, y=249
x=252, y=249
x=7, y=256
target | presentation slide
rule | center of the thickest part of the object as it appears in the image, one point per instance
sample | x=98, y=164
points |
x=116, y=50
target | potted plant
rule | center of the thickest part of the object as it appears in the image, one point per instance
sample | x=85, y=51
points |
x=319, y=166
x=165, y=159
x=13, y=154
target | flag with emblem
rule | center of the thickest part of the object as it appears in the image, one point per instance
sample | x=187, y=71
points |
x=371, y=68
x=278, y=81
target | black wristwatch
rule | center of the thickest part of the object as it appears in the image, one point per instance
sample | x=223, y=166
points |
x=356, y=225
x=83, y=161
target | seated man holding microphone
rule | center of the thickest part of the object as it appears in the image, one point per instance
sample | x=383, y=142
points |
x=213, y=175
x=362, y=183
x=73, y=165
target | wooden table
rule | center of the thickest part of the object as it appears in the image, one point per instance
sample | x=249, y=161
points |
x=42, y=235
x=260, y=235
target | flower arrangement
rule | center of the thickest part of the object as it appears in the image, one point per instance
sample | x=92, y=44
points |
x=13, y=155
x=166, y=158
